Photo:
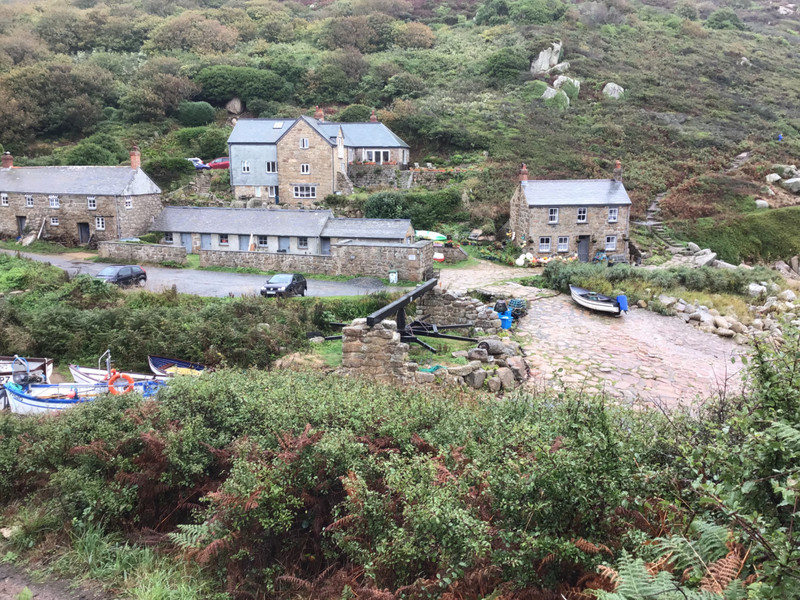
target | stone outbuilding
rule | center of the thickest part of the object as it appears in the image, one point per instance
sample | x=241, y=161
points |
x=75, y=204
x=287, y=231
x=564, y=217
x=297, y=162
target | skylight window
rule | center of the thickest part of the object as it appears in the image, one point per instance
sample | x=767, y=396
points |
x=277, y=125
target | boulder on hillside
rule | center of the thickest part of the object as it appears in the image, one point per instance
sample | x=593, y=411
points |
x=793, y=185
x=785, y=11
x=234, y=106
x=549, y=93
x=613, y=90
x=755, y=290
x=563, y=79
x=786, y=171
x=693, y=247
x=547, y=59
x=762, y=203
x=773, y=177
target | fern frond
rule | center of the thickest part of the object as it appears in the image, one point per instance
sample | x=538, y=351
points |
x=785, y=432
x=721, y=572
x=190, y=535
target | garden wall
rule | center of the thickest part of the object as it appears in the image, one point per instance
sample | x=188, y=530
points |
x=142, y=253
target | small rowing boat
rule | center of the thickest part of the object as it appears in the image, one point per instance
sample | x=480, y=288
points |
x=91, y=375
x=599, y=302
x=41, y=366
x=167, y=367
x=34, y=399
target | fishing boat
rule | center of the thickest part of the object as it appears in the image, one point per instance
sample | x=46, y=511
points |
x=43, y=398
x=90, y=375
x=167, y=367
x=42, y=366
x=599, y=302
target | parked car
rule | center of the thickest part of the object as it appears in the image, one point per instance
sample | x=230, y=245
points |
x=199, y=165
x=123, y=275
x=285, y=284
x=222, y=162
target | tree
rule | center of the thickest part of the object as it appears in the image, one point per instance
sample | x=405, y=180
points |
x=192, y=32
x=220, y=83
x=414, y=35
x=213, y=142
x=167, y=170
x=404, y=85
x=193, y=114
x=492, y=12
x=355, y=113
x=87, y=153
x=537, y=12
x=724, y=18
x=110, y=143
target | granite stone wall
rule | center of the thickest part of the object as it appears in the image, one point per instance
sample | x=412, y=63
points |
x=376, y=352
x=451, y=308
x=142, y=253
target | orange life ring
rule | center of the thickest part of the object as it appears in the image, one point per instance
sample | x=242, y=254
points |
x=113, y=389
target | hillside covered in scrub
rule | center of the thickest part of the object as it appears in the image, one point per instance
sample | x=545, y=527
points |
x=82, y=81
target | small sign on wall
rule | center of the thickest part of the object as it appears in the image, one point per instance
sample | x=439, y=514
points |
x=412, y=257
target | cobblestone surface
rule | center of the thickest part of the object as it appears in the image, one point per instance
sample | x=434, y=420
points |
x=639, y=357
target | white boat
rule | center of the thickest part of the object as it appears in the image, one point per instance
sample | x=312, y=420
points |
x=40, y=366
x=90, y=375
x=434, y=236
x=44, y=398
x=598, y=302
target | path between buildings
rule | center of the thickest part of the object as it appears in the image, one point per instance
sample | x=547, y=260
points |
x=641, y=356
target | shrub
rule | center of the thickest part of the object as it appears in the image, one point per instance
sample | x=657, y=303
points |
x=87, y=153
x=354, y=113
x=194, y=114
x=166, y=171
x=724, y=18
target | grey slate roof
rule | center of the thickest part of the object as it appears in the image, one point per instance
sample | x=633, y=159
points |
x=90, y=181
x=575, y=192
x=389, y=229
x=241, y=221
x=356, y=135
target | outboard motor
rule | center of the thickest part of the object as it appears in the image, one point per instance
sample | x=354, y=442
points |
x=622, y=300
x=21, y=378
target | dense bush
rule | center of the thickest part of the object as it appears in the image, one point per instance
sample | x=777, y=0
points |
x=221, y=83
x=168, y=170
x=195, y=114
x=425, y=209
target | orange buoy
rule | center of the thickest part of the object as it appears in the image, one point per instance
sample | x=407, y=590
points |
x=114, y=390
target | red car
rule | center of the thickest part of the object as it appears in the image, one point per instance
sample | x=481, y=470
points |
x=220, y=163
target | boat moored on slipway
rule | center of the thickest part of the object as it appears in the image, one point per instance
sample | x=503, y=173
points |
x=599, y=302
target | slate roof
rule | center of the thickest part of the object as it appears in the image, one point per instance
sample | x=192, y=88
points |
x=389, y=229
x=575, y=192
x=356, y=135
x=90, y=181
x=239, y=221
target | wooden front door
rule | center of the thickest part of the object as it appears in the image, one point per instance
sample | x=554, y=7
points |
x=583, y=248
x=83, y=233
x=21, y=221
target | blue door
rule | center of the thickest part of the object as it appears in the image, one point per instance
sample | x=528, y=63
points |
x=244, y=243
x=283, y=244
x=326, y=246
x=205, y=241
x=186, y=242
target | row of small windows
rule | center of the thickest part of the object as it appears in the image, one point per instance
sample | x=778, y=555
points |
x=583, y=214
x=99, y=223
x=272, y=167
x=224, y=239
x=91, y=201
x=563, y=243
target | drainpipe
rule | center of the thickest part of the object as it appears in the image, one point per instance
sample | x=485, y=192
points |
x=116, y=210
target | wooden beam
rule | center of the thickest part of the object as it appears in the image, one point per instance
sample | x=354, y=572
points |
x=391, y=309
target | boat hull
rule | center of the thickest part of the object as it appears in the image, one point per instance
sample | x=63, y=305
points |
x=91, y=375
x=594, y=301
x=167, y=367
x=47, y=398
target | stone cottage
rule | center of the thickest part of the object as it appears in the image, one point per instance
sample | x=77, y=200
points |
x=77, y=203
x=297, y=162
x=290, y=231
x=563, y=217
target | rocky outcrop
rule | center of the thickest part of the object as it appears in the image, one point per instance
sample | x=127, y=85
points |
x=547, y=61
x=234, y=106
x=561, y=80
x=762, y=203
x=792, y=185
x=613, y=90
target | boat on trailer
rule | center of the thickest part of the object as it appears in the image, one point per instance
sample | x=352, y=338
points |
x=168, y=367
x=599, y=302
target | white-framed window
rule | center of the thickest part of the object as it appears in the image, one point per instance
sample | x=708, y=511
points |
x=613, y=215
x=272, y=166
x=91, y=202
x=128, y=202
x=563, y=243
x=304, y=143
x=54, y=203
x=552, y=215
x=272, y=190
x=245, y=166
x=29, y=201
x=305, y=169
x=302, y=242
x=369, y=156
x=54, y=221
x=611, y=242
x=3, y=199
x=100, y=223
x=168, y=239
x=223, y=239
x=544, y=244
x=582, y=215
x=305, y=191
x=263, y=241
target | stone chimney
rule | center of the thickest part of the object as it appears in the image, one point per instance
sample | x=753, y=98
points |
x=372, y=117
x=319, y=114
x=8, y=160
x=618, y=172
x=136, y=158
x=523, y=173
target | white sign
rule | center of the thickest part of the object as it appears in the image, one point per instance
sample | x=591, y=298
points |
x=412, y=257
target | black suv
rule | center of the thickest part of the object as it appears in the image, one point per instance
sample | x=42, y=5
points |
x=285, y=284
x=123, y=275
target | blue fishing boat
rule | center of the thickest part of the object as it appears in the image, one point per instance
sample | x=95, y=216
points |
x=166, y=367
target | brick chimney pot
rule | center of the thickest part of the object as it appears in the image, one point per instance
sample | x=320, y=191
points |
x=523, y=173
x=373, y=118
x=319, y=114
x=136, y=158
x=8, y=160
